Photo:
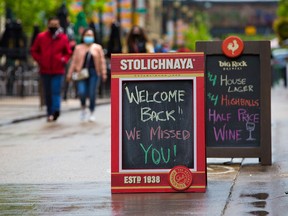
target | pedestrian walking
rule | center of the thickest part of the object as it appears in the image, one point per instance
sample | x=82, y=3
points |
x=137, y=41
x=90, y=55
x=51, y=51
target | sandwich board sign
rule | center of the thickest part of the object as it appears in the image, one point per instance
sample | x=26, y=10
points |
x=238, y=98
x=157, y=123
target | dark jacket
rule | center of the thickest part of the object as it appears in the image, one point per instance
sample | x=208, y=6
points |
x=51, y=53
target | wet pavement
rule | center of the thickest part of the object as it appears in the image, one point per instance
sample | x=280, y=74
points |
x=15, y=109
x=64, y=169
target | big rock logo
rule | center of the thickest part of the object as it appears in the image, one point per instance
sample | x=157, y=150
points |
x=232, y=64
x=232, y=46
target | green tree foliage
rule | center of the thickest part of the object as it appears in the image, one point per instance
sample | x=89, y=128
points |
x=89, y=6
x=280, y=25
x=31, y=12
x=2, y=7
x=198, y=31
x=282, y=8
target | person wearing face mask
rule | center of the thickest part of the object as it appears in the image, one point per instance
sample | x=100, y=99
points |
x=137, y=41
x=88, y=54
x=51, y=50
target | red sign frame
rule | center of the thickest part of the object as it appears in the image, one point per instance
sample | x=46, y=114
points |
x=157, y=180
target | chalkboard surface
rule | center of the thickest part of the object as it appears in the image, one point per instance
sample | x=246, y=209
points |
x=233, y=101
x=157, y=124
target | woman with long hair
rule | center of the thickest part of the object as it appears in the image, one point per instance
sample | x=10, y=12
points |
x=137, y=41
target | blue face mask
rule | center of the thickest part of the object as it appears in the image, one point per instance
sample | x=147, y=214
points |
x=88, y=39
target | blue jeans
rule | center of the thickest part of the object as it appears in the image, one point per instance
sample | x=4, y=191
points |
x=52, y=92
x=87, y=89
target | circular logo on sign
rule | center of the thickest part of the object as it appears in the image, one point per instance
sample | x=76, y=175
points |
x=232, y=46
x=180, y=178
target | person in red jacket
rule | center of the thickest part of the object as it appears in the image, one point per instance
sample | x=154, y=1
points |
x=51, y=51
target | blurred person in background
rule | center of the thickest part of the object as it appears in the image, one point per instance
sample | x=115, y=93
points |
x=137, y=41
x=162, y=46
x=183, y=48
x=88, y=54
x=51, y=50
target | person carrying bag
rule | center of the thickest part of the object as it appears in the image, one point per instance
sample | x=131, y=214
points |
x=88, y=56
x=84, y=72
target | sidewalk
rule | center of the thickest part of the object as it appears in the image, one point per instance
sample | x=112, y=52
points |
x=237, y=186
x=17, y=109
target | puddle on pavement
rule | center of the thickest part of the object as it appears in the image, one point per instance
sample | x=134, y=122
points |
x=259, y=196
x=259, y=213
x=220, y=169
x=259, y=204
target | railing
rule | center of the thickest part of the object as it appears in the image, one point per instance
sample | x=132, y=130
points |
x=19, y=81
x=23, y=80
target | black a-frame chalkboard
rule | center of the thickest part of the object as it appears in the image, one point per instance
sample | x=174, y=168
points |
x=238, y=101
x=175, y=124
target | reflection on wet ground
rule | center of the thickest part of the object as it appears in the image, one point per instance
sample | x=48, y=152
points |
x=260, y=196
x=96, y=199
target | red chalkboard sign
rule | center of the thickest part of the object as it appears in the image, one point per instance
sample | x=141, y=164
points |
x=158, y=138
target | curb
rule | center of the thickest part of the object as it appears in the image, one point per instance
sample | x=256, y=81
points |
x=34, y=117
